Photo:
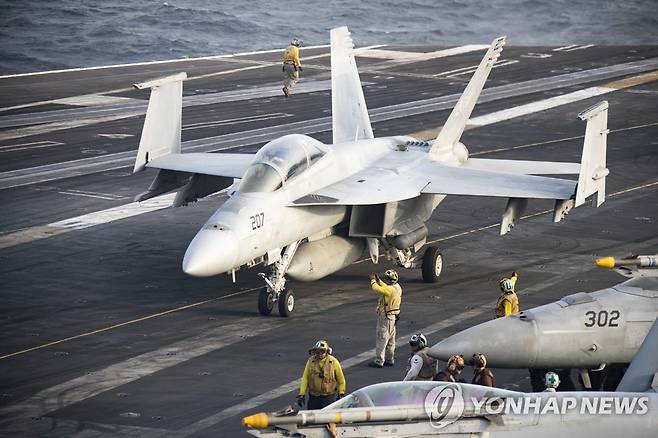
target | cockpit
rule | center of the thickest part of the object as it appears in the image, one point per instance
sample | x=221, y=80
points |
x=280, y=160
x=413, y=394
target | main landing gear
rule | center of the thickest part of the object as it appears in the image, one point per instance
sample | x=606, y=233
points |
x=428, y=258
x=432, y=264
x=275, y=293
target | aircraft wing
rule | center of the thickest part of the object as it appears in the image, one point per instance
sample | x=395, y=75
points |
x=378, y=185
x=523, y=167
x=228, y=165
x=451, y=180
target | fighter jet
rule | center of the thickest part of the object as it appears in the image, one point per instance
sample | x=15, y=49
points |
x=421, y=408
x=585, y=330
x=309, y=209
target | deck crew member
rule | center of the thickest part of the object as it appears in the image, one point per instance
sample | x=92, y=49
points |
x=291, y=67
x=552, y=381
x=481, y=374
x=388, y=311
x=323, y=378
x=508, y=302
x=421, y=365
x=454, y=367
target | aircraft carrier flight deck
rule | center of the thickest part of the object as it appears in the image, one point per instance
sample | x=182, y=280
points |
x=102, y=334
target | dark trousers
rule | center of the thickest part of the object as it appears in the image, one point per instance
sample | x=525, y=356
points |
x=320, y=401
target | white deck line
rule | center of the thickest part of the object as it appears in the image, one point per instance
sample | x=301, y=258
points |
x=541, y=105
x=134, y=64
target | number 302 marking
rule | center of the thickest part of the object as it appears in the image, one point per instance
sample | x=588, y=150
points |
x=257, y=221
x=602, y=318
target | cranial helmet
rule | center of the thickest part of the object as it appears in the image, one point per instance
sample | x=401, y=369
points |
x=457, y=361
x=320, y=345
x=392, y=275
x=418, y=341
x=506, y=285
x=295, y=42
x=479, y=360
x=551, y=380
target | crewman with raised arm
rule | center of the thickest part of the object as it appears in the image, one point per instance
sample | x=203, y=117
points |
x=388, y=311
x=508, y=301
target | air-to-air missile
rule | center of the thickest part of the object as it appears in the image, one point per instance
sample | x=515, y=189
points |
x=585, y=330
x=633, y=266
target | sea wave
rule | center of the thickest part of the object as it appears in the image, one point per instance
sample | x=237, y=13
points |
x=37, y=35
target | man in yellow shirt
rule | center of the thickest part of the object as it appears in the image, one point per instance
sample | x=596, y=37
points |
x=323, y=378
x=291, y=67
x=508, y=302
x=388, y=309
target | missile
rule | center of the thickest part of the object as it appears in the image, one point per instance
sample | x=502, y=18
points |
x=642, y=261
x=263, y=420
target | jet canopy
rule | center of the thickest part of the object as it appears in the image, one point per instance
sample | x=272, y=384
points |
x=280, y=160
x=414, y=394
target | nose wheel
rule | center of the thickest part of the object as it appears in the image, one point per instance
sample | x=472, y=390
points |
x=265, y=301
x=268, y=299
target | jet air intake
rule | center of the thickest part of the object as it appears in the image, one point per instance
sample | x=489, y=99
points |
x=317, y=259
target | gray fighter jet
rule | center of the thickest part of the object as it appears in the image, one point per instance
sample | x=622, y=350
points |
x=412, y=409
x=309, y=209
x=585, y=330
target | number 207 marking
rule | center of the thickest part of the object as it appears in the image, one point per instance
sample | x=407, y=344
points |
x=602, y=318
x=257, y=221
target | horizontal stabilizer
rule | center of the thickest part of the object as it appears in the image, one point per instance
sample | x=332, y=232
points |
x=523, y=167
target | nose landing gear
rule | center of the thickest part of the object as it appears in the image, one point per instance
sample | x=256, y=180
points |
x=275, y=293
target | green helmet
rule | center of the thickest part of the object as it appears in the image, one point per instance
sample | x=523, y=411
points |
x=551, y=380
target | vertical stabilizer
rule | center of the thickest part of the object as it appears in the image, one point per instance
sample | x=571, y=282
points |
x=592, y=167
x=454, y=126
x=644, y=366
x=350, y=120
x=162, y=126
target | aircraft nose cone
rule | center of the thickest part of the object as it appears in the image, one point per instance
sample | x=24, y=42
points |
x=211, y=252
x=506, y=342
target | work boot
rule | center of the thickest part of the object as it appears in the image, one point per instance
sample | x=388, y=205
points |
x=389, y=364
x=285, y=91
x=374, y=364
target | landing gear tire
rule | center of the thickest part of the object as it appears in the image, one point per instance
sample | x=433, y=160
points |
x=286, y=303
x=432, y=264
x=265, y=301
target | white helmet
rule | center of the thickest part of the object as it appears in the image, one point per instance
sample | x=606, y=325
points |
x=551, y=380
x=295, y=42
x=418, y=340
x=392, y=275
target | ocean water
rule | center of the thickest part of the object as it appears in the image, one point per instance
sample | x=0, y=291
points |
x=38, y=35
